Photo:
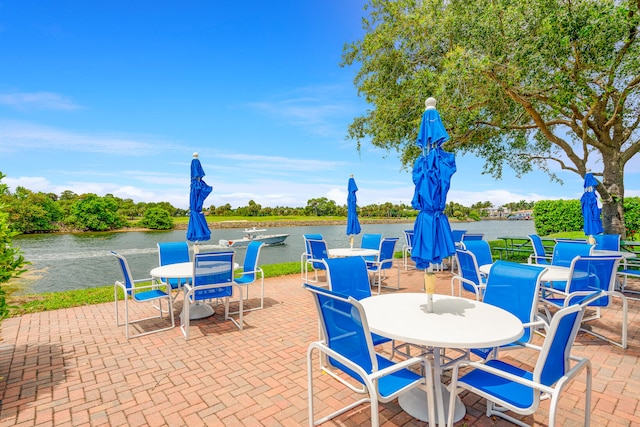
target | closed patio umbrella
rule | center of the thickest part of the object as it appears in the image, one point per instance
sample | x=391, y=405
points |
x=432, y=171
x=353, y=225
x=432, y=237
x=197, y=230
x=590, y=209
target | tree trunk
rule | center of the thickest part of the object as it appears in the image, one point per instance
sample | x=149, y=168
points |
x=612, y=192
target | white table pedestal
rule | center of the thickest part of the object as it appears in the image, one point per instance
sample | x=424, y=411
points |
x=200, y=311
x=414, y=403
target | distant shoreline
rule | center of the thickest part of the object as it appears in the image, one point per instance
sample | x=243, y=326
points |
x=299, y=223
x=217, y=225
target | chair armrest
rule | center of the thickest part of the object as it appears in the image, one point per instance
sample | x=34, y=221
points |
x=398, y=366
x=506, y=375
x=144, y=288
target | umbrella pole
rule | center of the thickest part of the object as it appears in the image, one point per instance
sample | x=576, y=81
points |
x=351, y=241
x=429, y=287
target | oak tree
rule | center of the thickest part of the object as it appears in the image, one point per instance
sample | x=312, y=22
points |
x=525, y=83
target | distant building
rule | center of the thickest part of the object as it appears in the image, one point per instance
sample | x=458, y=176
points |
x=521, y=215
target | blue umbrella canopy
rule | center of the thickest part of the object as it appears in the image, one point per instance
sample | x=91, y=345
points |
x=590, y=209
x=353, y=225
x=198, y=230
x=432, y=173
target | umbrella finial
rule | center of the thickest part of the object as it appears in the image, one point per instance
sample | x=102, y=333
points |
x=430, y=103
x=195, y=155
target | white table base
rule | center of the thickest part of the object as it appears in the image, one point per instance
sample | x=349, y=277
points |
x=414, y=403
x=200, y=311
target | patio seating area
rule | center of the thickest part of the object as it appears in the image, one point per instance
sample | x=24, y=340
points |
x=75, y=367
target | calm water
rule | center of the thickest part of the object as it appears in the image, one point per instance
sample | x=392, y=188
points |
x=79, y=261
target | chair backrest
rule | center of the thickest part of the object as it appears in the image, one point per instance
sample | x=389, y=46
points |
x=607, y=242
x=408, y=238
x=565, y=252
x=538, y=247
x=472, y=236
x=514, y=287
x=480, y=249
x=344, y=325
x=468, y=269
x=173, y=252
x=457, y=235
x=348, y=276
x=317, y=251
x=590, y=274
x=212, y=268
x=553, y=360
x=126, y=272
x=308, y=237
x=250, y=264
x=371, y=241
x=387, y=247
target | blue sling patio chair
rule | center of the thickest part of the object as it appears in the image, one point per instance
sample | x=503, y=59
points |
x=480, y=249
x=370, y=241
x=515, y=288
x=307, y=252
x=607, y=242
x=174, y=253
x=564, y=252
x=318, y=251
x=407, y=247
x=468, y=277
x=212, y=279
x=457, y=240
x=347, y=346
x=384, y=261
x=140, y=294
x=539, y=255
x=589, y=274
x=507, y=387
x=250, y=273
x=348, y=276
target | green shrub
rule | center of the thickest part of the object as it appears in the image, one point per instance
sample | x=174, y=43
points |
x=632, y=217
x=555, y=216
x=157, y=219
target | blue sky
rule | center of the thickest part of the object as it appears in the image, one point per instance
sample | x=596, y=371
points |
x=114, y=97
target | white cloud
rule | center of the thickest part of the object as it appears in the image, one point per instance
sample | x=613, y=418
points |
x=15, y=135
x=38, y=100
x=274, y=164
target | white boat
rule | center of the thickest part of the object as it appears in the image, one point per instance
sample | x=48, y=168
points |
x=251, y=234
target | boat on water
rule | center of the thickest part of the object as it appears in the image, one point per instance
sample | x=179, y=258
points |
x=254, y=234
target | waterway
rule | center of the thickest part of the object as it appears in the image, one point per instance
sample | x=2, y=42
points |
x=79, y=261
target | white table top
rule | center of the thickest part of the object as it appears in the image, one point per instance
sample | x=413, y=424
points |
x=181, y=270
x=602, y=252
x=553, y=273
x=455, y=322
x=347, y=252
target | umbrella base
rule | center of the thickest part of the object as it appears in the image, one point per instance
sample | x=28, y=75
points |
x=200, y=311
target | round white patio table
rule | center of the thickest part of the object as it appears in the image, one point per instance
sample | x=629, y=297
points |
x=454, y=323
x=347, y=252
x=184, y=270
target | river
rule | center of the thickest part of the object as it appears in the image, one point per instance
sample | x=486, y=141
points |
x=78, y=261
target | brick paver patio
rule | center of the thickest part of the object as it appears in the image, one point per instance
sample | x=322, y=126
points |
x=75, y=367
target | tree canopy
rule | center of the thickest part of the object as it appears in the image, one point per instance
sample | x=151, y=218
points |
x=526, y=83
